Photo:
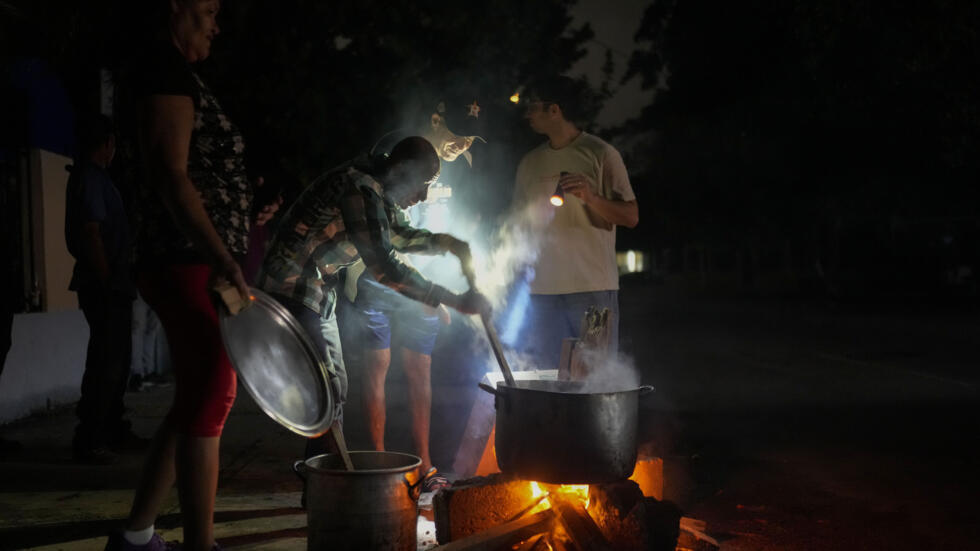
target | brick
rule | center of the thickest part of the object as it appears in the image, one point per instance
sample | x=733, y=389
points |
x=477, y=504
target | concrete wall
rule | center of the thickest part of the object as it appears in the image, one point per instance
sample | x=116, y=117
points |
x=45, y=364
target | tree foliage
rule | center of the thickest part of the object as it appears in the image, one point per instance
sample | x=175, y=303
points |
x=321, y=82
x=783, y=118
x=313, y=83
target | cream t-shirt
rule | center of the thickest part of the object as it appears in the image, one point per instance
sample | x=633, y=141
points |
x=577, y=246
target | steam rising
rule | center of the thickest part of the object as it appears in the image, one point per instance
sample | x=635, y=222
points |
x=517, y=244
x=609, y=372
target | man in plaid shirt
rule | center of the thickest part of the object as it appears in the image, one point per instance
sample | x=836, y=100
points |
x=351, y=212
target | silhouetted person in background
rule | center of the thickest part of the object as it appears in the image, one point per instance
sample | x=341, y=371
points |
x=97, y=234
x=8, y=301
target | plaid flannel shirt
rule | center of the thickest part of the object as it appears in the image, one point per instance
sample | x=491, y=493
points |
x=342, y=216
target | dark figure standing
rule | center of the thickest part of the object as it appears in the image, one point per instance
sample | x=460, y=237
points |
x=8, y=300
x=97, y=234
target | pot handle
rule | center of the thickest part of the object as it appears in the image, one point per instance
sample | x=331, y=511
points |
x=489, y=389
x=299, y=467
x=646, y=389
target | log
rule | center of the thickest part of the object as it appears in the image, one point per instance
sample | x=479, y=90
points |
x=692, y=536
x=532, y=543
x=578, y=524
x=503, y=535
x=688, y=523
x=619, y=511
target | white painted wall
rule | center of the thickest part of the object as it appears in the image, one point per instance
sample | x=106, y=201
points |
x=45, y=364
x=55, y=263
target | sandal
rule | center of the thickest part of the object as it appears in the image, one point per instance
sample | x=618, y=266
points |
x=434, y=481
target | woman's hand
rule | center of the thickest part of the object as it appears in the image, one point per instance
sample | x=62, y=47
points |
x=228, y=270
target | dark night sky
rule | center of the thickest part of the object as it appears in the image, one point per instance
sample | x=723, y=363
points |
x=614, y=24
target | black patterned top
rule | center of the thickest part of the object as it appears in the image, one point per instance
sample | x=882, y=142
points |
x=215, y=166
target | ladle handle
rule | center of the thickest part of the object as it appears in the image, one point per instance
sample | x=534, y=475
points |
x=498, y=350
x=338, y=437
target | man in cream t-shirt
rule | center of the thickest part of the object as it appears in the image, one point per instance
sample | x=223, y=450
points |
x=576, y=265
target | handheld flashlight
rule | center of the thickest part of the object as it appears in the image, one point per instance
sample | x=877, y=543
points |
x=558, y=197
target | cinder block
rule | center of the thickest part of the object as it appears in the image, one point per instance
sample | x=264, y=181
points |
x=476, y=504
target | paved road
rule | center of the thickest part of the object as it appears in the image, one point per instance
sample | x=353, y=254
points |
x=813, y=426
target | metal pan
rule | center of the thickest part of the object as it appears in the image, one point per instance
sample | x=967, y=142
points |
x=279, y=366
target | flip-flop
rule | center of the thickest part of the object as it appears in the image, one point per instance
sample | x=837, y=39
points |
x=434, y=481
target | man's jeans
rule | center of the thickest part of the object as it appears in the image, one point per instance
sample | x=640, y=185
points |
x=552, y=318
x=100, y=409
x=322, y=330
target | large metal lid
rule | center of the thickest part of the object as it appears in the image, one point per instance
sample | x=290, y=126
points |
x=279, y=366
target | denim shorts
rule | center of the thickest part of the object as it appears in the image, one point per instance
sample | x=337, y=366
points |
x=388, y=318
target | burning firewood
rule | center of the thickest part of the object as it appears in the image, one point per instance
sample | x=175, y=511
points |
x=692, y=536
x=535, y=543
x=619, y=511
x=578, y=524
x=504, y=535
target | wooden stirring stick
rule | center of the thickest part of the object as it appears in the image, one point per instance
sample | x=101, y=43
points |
x=338, y=437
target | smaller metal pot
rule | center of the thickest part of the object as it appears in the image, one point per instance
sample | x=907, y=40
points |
x=551, y=431
x=372, y=507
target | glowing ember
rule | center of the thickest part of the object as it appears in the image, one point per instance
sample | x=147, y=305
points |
x=578, y=491
x=515, y=98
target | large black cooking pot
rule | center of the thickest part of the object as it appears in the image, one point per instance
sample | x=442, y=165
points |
x=556, y=432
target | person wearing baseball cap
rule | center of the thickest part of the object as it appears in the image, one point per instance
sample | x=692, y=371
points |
x=379, y=319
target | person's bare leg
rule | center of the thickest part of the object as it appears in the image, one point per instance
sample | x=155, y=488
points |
x=418, y=369
x=376, y=364
x=197, y=484
x=156, y=480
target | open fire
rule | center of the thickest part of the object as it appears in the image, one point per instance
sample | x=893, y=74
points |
x=503, y=512
x=571, y=491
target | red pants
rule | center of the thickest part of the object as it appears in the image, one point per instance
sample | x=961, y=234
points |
x=206, y=382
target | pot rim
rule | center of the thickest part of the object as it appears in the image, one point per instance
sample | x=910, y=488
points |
x=416, y=463
x=642, y=389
